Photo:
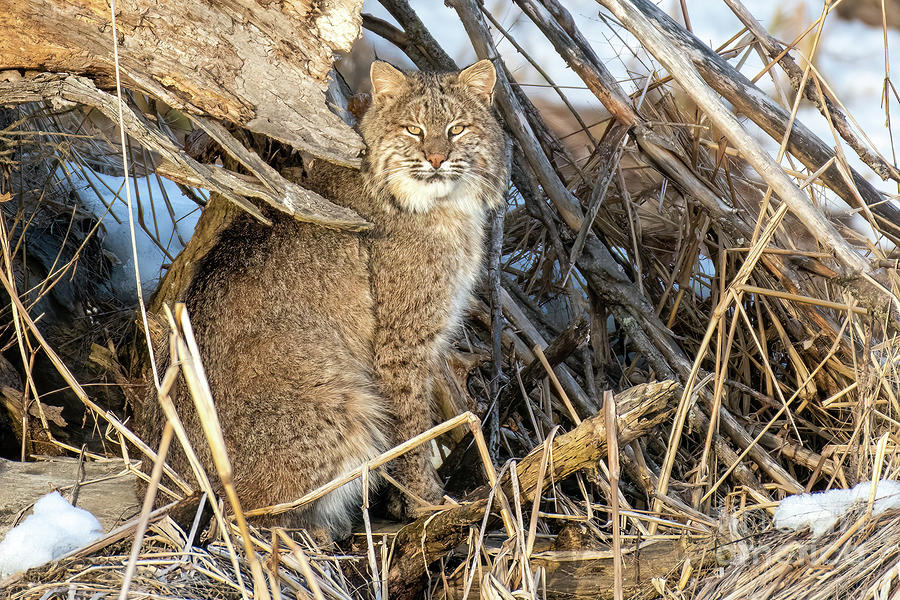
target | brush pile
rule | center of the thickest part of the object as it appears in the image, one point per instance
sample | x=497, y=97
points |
x=680, y=282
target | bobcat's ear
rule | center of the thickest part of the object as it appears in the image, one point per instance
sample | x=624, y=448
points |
x=386, y=80
x=480, y=79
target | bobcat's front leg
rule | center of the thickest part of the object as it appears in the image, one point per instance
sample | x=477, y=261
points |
x=405, y=376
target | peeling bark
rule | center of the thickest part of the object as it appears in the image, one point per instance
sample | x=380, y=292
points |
x=258, y=64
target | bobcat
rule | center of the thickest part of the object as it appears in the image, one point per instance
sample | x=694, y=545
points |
x=320, y=345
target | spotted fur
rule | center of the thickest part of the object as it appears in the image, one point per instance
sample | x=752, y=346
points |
x=321, y=346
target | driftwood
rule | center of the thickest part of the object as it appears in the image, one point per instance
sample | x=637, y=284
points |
x=106, y=489
x=625, y=304
x=578, y=54
x=605, y=277
x=418, y=544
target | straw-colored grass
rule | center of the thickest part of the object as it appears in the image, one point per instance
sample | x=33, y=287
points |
x=658, y=254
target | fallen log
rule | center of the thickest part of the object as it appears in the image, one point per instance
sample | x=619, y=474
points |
x=275, y=190
x=261, y=65
x=587, y=574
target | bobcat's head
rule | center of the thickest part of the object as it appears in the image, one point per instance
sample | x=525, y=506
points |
x=433, y=139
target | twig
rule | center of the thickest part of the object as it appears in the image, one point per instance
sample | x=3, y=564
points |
x=495, y=258
x=612, y=445
x=419, y=34
x=149, y=496
x=559, y=390
x=608, y=154
x=775, y=51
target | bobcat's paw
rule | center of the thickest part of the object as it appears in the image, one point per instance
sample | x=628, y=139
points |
x=402, y=506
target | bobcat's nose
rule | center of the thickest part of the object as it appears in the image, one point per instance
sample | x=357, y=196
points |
x=436, y=159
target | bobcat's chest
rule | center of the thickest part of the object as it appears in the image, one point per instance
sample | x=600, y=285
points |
x=424, y=266
x=469, y=252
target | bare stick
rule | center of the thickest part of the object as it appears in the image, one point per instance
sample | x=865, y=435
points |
x=495, y=265
x=146, y=508
x=559, y=390
x=612, y=452
x=195, y=376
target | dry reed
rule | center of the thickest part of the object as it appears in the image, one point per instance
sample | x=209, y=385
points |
x=660, y=254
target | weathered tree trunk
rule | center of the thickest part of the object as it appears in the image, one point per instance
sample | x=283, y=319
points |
x=262, y=65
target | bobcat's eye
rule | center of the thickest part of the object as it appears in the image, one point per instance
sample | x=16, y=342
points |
x=414, y=130
x=456, y=129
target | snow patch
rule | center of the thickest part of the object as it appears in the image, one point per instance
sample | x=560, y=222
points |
x=820, y=511
x=54, y=528
x=169, y=222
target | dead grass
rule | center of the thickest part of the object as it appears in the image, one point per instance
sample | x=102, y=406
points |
x=681, y=264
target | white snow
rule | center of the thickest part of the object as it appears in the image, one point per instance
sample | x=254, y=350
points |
x=157, y=220
x=820, y=511
x=53, y=529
